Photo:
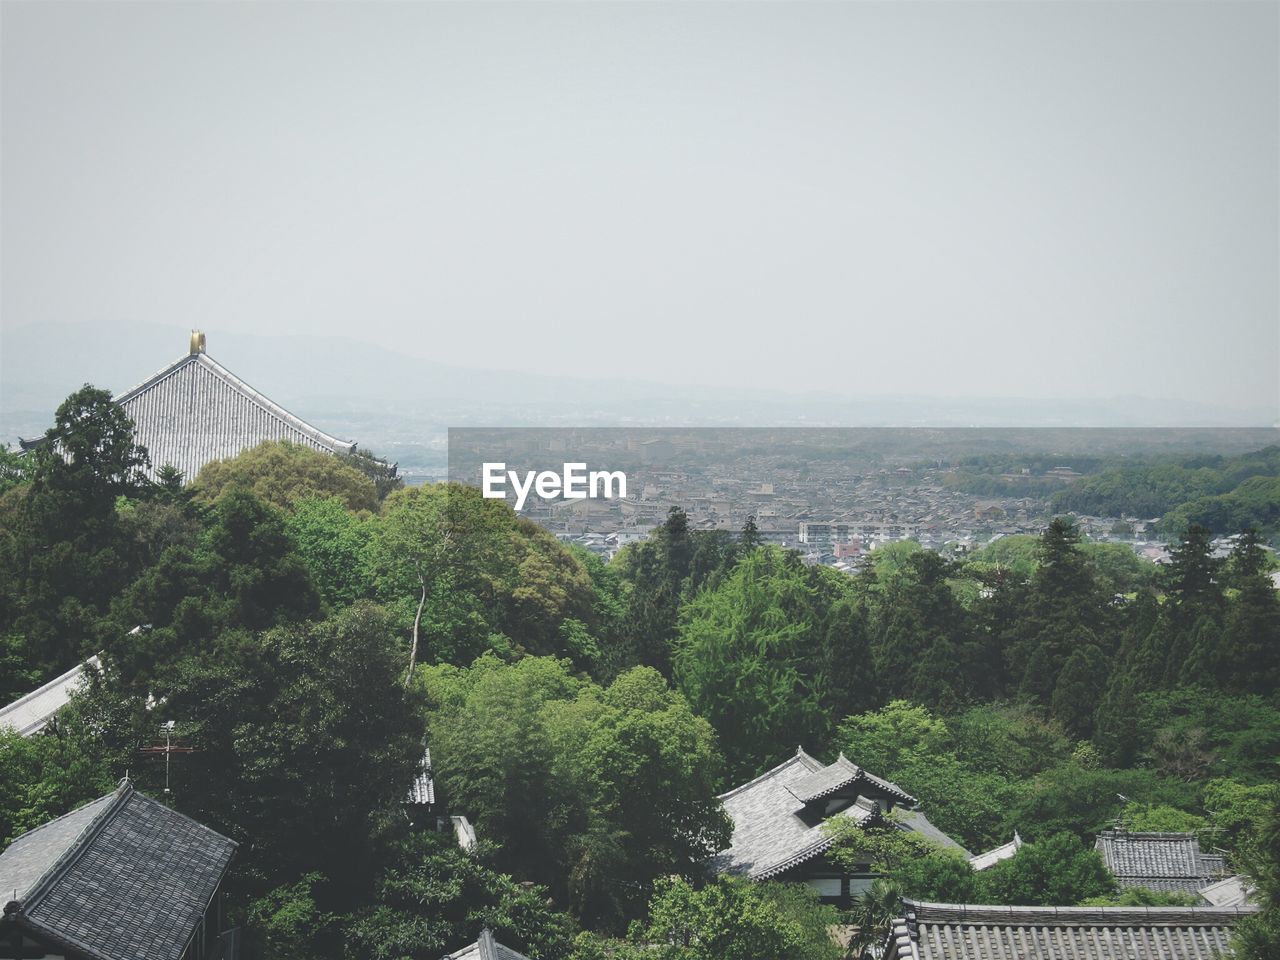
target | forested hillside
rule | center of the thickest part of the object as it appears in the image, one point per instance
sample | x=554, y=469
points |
x=1223, y=494
x=308, y=627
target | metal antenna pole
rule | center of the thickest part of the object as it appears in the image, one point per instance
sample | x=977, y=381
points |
x=168, y=750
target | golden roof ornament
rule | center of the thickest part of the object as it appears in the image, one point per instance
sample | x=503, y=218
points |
x=197, y=342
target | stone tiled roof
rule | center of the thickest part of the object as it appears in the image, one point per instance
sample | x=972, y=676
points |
x=485, y=948
x=984, y=861
x=775, y=828
x=839, y=775
x=31, y=713
x=1171, y=862
x=1231, y=892
x=825, y=780
x=464, y=833
x=195, y=411
x=121, y=878
x=940, y=931
x=423, y=789
x=916, y=821
x=27, y=859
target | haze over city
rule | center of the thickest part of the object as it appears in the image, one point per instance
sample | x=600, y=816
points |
x=939, y=200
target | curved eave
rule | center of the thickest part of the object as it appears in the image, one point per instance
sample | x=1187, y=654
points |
x=313, y=433
x=813, y=850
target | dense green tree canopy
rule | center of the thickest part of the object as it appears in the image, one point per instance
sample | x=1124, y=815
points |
x=63, y=555
x=578, y=784
x=281, y=473
x=307, y=625
x=749, y=656
x=729, y=920
x=305, y=737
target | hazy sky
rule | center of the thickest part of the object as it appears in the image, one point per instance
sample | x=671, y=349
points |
x=1069, y=199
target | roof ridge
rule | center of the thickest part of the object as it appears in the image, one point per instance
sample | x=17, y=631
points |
x=77, y=847
x=979, y=913
x=842, y=759
x=44, y=687
x=800, y=757
x=50, y=823
x=1150, y=835
x=247, y=390
x=161, y=374
x=273, y=407
x=60, y=680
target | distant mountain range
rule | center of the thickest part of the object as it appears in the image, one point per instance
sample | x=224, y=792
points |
x=396, y=398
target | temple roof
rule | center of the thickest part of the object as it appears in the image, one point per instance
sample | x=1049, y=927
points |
x=31, y=713
x=917, y=822
x=1159, y=861
x=778, y=817
x=837, y=776
x=195, y=411
x=824, y=781
x=121, y=878
x=989, y=858
x=423, y=789
x=485, y=948
x=944, y=931
x=1231, y=892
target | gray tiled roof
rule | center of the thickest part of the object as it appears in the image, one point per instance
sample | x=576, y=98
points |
x=989, y=858
x=776, y=829
x=1232, y=892
x=825, y=780
x=423, y=789
x=916, y=821
x=1159, y=861
x=31, y=713
x=28, y=858
x=121, y=878
x=1187, y=885
x=485, y=948
x=195, y=411
x=940, y=931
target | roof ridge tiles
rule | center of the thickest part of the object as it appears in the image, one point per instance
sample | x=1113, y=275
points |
x=55, y=820
x=800, y=757
x=46, y=686
x=997, y=913
x=31, y=898
x=1149, y=835
x=246, y=389
x=164, y=372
